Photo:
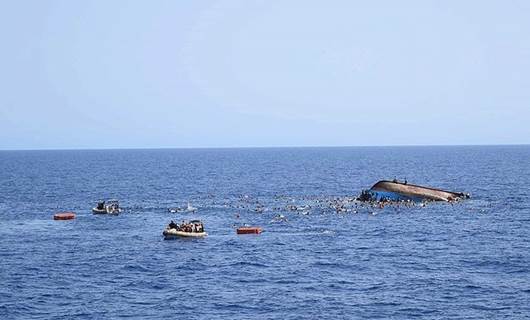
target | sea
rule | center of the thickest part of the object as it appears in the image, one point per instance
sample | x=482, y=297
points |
x=466, y=260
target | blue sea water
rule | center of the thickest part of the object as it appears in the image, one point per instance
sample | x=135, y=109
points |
x=470, y=260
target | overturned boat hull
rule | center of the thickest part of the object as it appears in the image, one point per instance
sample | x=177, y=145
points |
x=398, y=191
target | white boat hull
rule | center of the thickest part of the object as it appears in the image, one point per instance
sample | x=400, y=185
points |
x=173, y=233
x=104, y=211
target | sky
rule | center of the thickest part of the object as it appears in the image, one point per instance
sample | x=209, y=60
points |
x=156, y=74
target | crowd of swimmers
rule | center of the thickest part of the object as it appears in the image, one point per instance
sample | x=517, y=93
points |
x=312, y=204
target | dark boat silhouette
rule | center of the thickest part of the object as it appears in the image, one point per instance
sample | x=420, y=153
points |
x=385, y=190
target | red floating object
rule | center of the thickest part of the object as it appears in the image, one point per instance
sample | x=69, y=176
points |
x=249, y=230
x=64, y=216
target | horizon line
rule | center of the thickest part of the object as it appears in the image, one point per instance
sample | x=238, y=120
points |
x=270, y=147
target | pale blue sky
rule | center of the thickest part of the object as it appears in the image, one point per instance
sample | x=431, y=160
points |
x=129, y=74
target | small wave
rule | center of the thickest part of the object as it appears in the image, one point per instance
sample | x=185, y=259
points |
x=135, y=267
x=488, y=307
x=248, y=264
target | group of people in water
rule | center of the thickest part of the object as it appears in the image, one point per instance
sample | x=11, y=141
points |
x=367, y=201
x=316, y=204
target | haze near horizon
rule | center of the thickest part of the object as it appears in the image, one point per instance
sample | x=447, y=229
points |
x=133, y=74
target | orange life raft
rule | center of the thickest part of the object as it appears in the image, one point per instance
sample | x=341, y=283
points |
x=249, y=230
x=64, y=216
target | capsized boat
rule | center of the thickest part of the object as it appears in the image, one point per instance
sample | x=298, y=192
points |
x=394, y=190
x=191, y=229
x=107, y=207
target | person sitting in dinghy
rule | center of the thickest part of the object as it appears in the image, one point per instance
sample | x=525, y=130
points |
x=173, y=225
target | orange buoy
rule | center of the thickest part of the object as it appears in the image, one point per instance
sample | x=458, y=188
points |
x=64, y=216
x=249, y=230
